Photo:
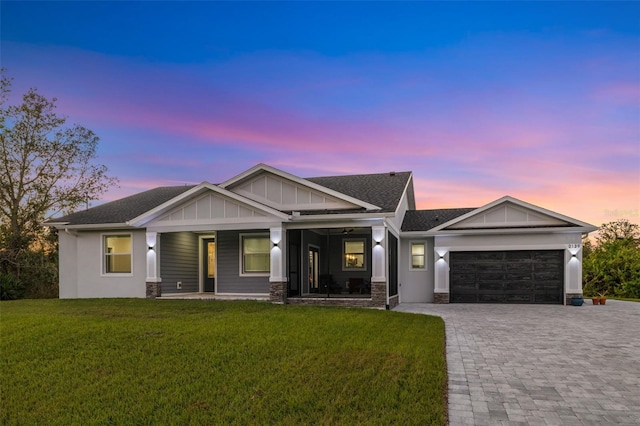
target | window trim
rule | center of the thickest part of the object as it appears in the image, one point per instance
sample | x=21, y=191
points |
x=103, y=255
x=424, y=245
x=242, y=272
x=344, y=254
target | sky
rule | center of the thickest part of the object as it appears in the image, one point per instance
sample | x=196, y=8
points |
x=536, y=100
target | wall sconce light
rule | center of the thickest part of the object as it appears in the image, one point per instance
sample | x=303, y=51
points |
x=377, y=243
x=573, y=255
x=275, y=244
x=442, y=256
x=150, y=248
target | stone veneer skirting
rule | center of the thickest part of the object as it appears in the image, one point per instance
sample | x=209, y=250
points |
x=154, y=290
x=350, y=302
x=394, y=301
x=440, y=297
x=570, y=295
x=378, y=298
x=278, y=292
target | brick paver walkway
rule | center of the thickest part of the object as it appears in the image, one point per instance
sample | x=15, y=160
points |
x=541, y=364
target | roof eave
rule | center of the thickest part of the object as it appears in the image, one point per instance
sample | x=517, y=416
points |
x=498, y=231
x=92, y=226
x=338, y=216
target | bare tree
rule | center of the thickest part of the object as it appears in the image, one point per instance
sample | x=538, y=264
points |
x=46, y=168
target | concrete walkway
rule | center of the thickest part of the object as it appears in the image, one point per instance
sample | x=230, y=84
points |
x=541, y=364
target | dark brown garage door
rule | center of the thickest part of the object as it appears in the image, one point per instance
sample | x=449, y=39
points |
x=506, y=276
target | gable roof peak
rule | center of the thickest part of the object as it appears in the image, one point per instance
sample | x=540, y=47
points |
x=309, y=183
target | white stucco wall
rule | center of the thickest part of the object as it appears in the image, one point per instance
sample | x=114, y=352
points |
x=81, y=267
x=68, y=265
x=570, y=242
x=416, y=285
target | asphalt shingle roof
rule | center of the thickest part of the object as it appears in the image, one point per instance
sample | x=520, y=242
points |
x=382, y=189
x=423, y=220
x=124, y=209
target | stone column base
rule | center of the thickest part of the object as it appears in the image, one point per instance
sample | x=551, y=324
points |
x=379, y=294
x=154, y=290
x=440, y=297
x=570, y=295
x=394, y=301
x=278, y=292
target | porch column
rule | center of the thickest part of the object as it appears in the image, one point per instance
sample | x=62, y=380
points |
x=277, y=278
x=573, y=272
x=379, y=291
x=441, y=276
x=153, y=266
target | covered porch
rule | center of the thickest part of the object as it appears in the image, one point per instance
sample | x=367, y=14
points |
x=342, y=265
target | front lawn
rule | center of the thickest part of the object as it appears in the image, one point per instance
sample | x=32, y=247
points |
x=217, y=362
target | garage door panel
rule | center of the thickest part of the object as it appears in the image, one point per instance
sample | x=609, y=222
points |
x=518, y=286
x=522, y=256
x=491, y=286
x=547, y=275
x=490, y=276
x=519, y=298
x=464, y=298
x=518, y=276
x=465, y=277
x=507, y=276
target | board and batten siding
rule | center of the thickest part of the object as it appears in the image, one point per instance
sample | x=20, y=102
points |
x=228, y=278
x=179, y=262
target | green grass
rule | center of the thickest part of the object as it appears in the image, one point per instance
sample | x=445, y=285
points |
x=217, y=362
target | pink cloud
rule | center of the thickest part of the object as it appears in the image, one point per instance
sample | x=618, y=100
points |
x=468, y=143
x=623, y=93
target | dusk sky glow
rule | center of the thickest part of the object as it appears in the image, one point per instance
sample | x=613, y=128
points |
x=540, y=101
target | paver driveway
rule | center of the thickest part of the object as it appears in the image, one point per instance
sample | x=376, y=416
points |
x=541, y=364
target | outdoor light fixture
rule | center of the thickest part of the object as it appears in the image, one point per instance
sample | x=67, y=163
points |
x=377, y=243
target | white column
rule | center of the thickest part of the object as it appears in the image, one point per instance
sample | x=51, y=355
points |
x=378, y=253
x=153, y=258
x=278, y=238
x=573, y=271
x=441, y=270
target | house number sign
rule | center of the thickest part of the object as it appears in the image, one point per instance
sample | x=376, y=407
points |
x=573, y=246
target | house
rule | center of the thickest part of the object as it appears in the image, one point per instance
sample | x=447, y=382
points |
x=345, y=240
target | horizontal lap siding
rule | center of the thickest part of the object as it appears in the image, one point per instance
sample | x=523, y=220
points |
x=179, y=262
x=229, y=279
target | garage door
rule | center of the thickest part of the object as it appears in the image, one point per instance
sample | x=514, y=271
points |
x=507, y=276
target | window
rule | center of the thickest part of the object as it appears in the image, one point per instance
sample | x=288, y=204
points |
x=354, y=257
x=417, y=256
x=117, y=254
x=256, y=256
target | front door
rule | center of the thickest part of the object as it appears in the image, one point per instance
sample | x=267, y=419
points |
x=209, y=265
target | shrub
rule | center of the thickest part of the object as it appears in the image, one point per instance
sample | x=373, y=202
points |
x=629, y=289
x=10, y=288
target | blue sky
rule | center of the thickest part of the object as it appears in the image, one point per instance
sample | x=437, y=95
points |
x=540, y=101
